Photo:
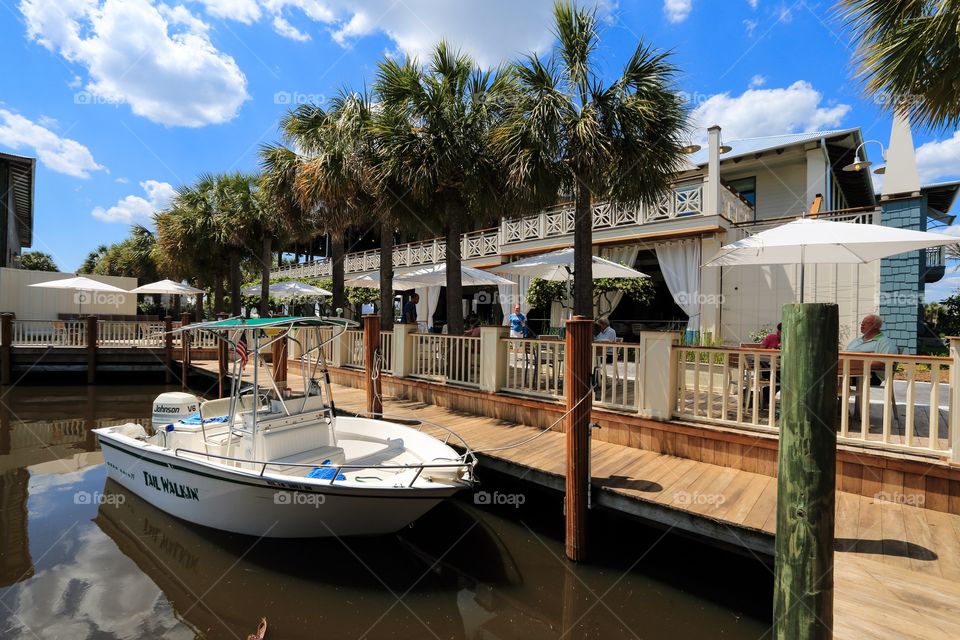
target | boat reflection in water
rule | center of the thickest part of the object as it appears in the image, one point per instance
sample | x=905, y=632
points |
x=460, y=572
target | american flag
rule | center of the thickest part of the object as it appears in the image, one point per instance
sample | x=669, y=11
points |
x=242, y=352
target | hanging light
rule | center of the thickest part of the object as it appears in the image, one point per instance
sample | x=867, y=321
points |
x=860, y=165
x=724, y=148
x=690, y=148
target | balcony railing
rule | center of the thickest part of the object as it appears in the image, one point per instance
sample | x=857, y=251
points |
x=936, y=257
x=685, y=200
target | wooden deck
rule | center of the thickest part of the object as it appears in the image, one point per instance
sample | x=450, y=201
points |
x=897, y=572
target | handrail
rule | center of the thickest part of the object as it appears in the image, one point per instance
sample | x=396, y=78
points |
x=265, y=463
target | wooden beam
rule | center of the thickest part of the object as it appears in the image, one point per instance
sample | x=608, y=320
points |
x=579, y=396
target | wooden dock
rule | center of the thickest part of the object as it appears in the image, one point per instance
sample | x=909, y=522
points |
x=897, y=571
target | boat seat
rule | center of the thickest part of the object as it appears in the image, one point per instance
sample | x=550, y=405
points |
x=313, y=457
x=221, y=406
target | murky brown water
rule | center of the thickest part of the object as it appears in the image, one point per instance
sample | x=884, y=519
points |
x=82, y=558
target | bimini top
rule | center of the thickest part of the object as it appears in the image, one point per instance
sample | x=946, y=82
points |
x=264, y=323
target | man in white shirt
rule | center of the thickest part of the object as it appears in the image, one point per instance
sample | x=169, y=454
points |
x=607, y=334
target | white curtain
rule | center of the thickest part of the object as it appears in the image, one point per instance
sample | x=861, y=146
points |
x=510, y=295
x=626, y=255
x=680, y=264
x=429, y=297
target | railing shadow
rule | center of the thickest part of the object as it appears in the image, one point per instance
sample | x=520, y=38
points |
x=885, y=547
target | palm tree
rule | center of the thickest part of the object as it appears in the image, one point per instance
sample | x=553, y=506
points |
x=433, y=131
x=569, y=133
x=240, y=223
x=908, y=53
x=90, y=262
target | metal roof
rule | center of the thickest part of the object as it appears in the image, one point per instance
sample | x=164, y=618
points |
x=22, y=171
x=746, y=146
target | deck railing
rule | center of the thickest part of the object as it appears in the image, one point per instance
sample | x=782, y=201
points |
x=904, y=405
x=386, y=351
x=354, y=348
x=534, y=367
x=616, y=375
x=451, y=359
x=130, y=334
x=49, y=333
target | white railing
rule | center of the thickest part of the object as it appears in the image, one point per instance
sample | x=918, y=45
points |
x=534, y=367
x=353, y=353
x=905, y=405
x=616, y=375
x=729, y=386
x=935, y=257
x=130, y=334
x=452, y=359
x=52, y=333
x=386, y=351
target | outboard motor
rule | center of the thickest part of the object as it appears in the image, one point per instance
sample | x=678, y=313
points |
x=172, y=406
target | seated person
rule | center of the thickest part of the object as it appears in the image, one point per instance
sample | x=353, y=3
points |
x=606, y=333
x=772, y=340
x=518, y=323
x=871, y=340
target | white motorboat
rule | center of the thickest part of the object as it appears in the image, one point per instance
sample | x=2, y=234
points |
x=261, y=464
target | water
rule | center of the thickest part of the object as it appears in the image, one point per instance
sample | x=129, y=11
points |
x=84, y=558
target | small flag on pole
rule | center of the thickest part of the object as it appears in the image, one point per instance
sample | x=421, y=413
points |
x=242, y=352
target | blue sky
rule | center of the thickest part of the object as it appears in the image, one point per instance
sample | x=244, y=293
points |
x=124, y=100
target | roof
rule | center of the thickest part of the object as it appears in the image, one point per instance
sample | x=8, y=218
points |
x=747, y=146
x=22, y=170
x=940, y=199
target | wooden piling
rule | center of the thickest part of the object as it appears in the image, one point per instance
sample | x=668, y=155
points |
x=6, y=348
x=278, y=358
x=168, y=349
x=184, y=349
x=579, y=397
x=92, y=349
x=223, y=362
x=806, y=476
x=371, y=345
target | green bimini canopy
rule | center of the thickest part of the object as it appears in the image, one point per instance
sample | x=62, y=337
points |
x=266, y=323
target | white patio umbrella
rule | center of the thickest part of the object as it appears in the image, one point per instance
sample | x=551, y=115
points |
x=558, y=265
x=436, y=276
x=288, y=289
x=811, y=241
x=366, y=281
x=167, y=287
x=80, y=284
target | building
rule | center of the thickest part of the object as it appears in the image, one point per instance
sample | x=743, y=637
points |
x=760, y=182
x=16, y=206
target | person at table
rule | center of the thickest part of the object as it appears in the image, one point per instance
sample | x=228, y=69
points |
x=409, y=315
x=871, y=340
x=518, y=323
x=606, y=332
x=473, y=326
x=772, y=340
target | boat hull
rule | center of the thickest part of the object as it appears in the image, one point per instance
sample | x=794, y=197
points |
x=228, y=500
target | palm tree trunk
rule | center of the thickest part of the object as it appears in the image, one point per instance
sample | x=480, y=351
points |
x=199, y=303
x=583, y=253
x=386, y=273
x=265, y=254
x=218, y=292
x=176, y=306
x=235, y=307
x=454, y=211
x=337, y=249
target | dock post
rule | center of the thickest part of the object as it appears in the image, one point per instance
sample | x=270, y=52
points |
x=6, y=348
x=806, y=475
x=184, y=350
x=579, y=396
x=168, y=349
x=92, y=349
x=223, y=351
x=371, y=347
x=278, y=358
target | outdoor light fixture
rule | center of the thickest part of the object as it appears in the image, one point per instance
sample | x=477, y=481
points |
x=859, y=165
x=724, y=148
x=690, y=148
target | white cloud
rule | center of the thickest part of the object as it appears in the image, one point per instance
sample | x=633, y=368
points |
x=156, y=58
x=757, y=81
x=135, y=209
x=493, y=31
x=677, y=10
x=62, y=155
x=750, y=26
x=753, y=3
x=121, y=180
x=764, y=112
x=939, y=159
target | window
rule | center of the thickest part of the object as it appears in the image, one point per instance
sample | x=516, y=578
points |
x=747, y=188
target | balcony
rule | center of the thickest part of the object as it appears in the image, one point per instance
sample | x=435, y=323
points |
x=551, y=227
x=936, y=264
